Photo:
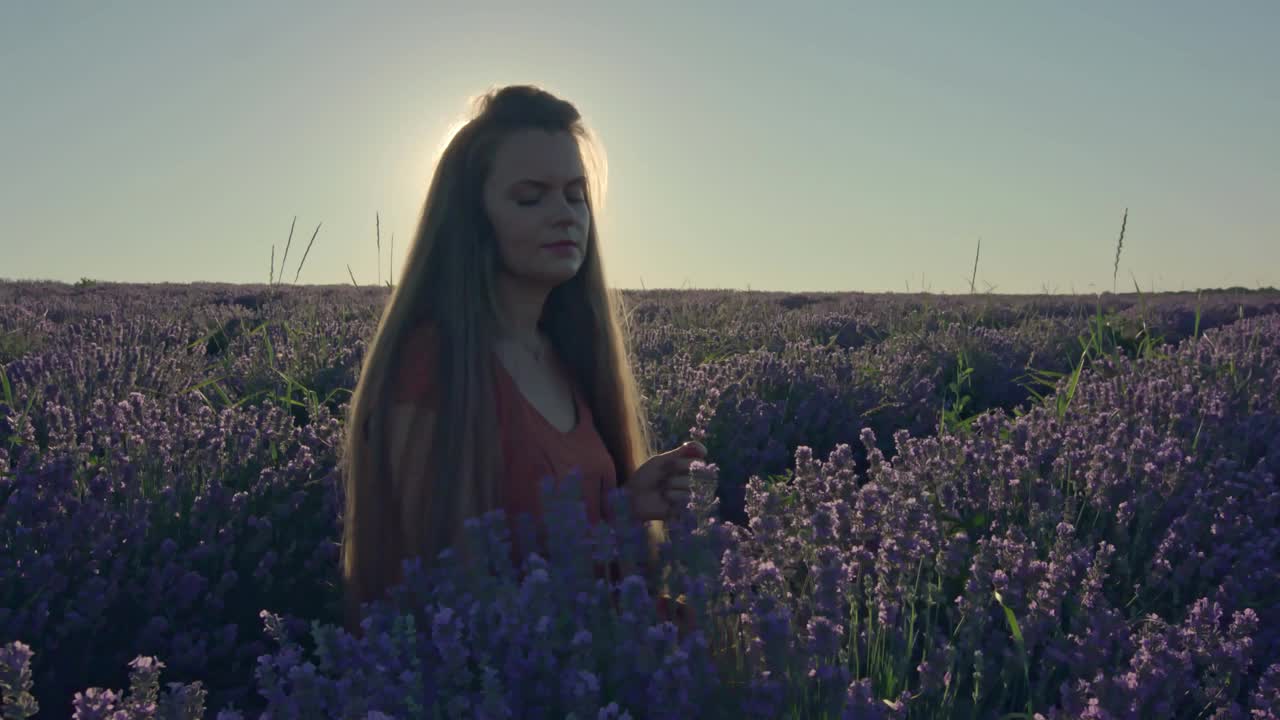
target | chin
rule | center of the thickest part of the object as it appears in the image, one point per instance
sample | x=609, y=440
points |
x=562, y=278
x=554, y=276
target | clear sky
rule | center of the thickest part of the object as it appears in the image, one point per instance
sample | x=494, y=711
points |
x=776, y=146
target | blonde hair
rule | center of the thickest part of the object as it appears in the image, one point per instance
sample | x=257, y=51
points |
x=448, y=280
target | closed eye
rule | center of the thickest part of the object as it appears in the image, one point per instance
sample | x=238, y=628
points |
x=535, y=201
x=578, y=184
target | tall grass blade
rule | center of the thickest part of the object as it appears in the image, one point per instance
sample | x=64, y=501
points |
x=1119, y=247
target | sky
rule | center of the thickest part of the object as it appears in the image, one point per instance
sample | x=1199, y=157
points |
x=803, y=146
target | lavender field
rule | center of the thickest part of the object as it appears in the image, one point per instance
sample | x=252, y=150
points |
x=926, y=507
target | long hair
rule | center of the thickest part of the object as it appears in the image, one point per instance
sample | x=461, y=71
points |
x=449, y=281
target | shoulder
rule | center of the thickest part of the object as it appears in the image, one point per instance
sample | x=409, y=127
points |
x=414, y=369
x=422, y=338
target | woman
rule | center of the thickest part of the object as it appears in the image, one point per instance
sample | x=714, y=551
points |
x=502, y=327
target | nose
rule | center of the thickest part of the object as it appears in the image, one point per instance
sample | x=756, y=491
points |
x=565, y=217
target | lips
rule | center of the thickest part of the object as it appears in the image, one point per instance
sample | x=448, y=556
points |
x=562, y=243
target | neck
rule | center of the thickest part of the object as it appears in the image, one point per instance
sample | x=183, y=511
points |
x=520, y=307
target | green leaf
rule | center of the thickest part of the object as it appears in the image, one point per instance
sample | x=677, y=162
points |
x=8, y=391
x=1013, y=622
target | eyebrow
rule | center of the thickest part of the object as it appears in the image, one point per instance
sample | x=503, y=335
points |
x=543, y=184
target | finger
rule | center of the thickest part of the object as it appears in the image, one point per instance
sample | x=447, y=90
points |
x=677, y=492
x=677, y=466
x=678, y=498
x=675, y=463
x=678, y=482
x=693, y=448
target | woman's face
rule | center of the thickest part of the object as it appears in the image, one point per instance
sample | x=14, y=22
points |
x=535, y=197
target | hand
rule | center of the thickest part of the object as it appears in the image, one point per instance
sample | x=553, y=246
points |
x=661, y=483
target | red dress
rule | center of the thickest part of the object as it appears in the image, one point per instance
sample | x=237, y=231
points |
x=542, y=450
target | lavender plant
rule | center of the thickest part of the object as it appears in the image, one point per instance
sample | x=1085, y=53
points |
x=168, y=492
